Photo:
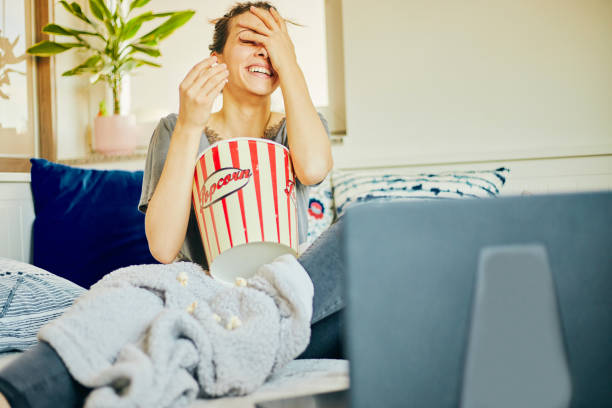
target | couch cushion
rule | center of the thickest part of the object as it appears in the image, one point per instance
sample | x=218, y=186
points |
x=320, y=209
x=29, y=298
x=87, y=221
x=357, y=187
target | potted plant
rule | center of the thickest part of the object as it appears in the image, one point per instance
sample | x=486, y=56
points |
x=114, y=49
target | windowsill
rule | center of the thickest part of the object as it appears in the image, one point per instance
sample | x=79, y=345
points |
x=14, y=177
x=95, y=158
x=337, y=139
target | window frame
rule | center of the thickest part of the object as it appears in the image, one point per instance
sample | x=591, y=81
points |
x=45, y=96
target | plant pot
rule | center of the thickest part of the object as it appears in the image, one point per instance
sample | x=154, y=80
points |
x=115, y=134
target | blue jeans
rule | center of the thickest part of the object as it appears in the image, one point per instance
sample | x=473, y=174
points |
x=323, y=262
x=39, y=378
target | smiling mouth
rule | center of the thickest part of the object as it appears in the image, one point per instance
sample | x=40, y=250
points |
x=260, y=71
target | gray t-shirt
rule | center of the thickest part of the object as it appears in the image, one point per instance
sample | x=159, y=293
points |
x=193, y=249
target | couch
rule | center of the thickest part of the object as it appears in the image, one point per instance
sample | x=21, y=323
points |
x=87, y=224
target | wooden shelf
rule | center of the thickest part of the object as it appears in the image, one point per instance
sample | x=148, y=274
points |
x=141, y=154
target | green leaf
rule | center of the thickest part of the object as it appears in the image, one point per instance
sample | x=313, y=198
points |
x=59, y=30
x=99, y=9
x=127, y=66
x=109, y=26
x=75, y=10
x=79, y=13
x=138, y=3
x=66, y=6
x=130, y=63
x=91, y=61
x=88, y=66
x=178, y=19
x=140, y=62
x=150, y=43
x=133, y=25
x=48, y=48
x=153, y=52
x=102, y=109
x=76, y=7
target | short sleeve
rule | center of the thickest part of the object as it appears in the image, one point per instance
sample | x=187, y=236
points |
x=326, y=126
x=156, y=157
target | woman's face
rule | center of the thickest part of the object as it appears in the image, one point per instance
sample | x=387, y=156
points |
x=244, y=57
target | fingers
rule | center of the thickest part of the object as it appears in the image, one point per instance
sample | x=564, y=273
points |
x=220, y=69
x=213, y=82
x=216, y=90
x=279, y=20
x=254, y=37
x=196, y=70
x=258, y=27
x=265, y=17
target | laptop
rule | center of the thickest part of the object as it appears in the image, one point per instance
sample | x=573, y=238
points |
x=479, y=303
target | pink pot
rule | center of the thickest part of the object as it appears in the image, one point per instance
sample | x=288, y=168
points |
x=115, y=134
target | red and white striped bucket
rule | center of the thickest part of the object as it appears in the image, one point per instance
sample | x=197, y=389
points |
x=245, y=201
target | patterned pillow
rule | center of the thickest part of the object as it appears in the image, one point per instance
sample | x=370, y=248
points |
x=320, y=209
x=359, y=187
x=29, y=298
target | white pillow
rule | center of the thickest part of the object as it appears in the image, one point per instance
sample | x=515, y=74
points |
x=352, y=188
x=320, y=209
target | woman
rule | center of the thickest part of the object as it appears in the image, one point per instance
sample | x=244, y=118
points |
x=251, y=56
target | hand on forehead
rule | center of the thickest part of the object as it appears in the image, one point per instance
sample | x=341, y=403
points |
x=247, y=21
x=261, y=21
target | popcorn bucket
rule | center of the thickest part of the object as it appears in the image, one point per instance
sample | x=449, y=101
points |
x=245, y=202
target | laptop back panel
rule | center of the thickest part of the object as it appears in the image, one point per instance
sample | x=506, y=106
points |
x=411, y=272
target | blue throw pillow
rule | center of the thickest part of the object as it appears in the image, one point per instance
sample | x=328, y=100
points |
x=87, y=221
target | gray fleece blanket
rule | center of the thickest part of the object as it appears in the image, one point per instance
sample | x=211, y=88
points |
x=162, y=335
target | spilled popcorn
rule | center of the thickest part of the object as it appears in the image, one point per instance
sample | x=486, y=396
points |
x=182, y=278
x=191, y=308
x=240, y=281
x=233, y=323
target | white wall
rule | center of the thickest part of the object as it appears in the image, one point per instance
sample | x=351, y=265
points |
x=431, y=83
x=154, y=92
x=72, y=94
x=443, y=81
x=16, y=216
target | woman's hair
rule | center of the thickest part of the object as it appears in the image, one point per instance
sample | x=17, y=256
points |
x=222, y=23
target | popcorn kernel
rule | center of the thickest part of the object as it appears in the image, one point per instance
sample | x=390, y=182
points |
x=191, y=308
x=233, y=323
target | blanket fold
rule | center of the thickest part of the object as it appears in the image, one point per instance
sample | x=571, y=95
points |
x=162, y=335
